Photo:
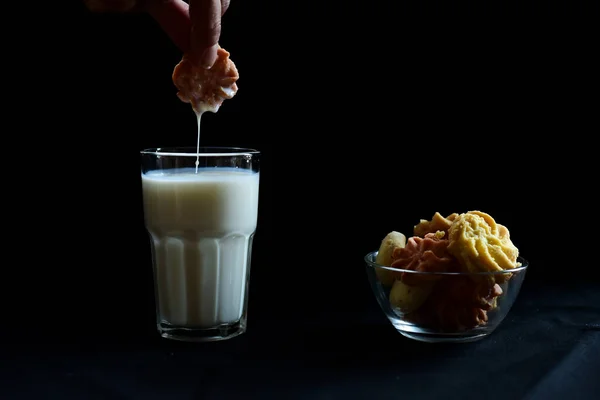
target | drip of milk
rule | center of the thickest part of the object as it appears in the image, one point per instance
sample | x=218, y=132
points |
x=200, y=108
x=198, y=118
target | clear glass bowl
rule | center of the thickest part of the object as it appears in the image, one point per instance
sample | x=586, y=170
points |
x=444, y=306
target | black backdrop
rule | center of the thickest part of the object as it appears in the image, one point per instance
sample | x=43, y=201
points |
x=368, y=120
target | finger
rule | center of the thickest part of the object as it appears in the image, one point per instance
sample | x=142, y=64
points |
x=174, y=19
x=205, y=16
x=224, y=6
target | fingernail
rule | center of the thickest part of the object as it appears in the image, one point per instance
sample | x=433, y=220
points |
x=209, y=56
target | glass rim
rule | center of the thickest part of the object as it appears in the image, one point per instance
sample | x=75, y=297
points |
x=373, y=254
x=205, y=151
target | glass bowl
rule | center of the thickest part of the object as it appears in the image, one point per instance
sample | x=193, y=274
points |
x=444, y=306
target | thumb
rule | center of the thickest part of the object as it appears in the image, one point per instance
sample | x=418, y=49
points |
x=205, y=17
x=173, y=18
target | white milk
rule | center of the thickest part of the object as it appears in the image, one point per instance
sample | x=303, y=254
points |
x=198, y=120
x=202, y=225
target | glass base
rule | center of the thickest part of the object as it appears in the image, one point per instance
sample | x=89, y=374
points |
x=422, y=334
x=433, y=338
x=221, y=332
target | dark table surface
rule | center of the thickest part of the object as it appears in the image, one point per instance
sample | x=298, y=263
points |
x=547, y=348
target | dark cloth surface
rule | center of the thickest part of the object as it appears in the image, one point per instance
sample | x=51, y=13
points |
x=548, y=347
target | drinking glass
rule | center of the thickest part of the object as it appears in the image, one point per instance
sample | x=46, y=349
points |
x=200, y=210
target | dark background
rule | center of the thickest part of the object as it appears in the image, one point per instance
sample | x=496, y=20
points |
x=369, y=116
x=368, y=119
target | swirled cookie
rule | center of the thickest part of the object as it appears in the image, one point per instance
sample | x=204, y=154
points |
x=428, y=254
x=437, y=223
x=480, y=244
x=458, y=303
x=206, y=89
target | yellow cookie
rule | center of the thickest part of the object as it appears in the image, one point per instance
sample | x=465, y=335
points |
x=480, y=244
x=389, y=243
x=408, y=298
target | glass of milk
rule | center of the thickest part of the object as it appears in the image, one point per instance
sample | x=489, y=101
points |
x=200, y=210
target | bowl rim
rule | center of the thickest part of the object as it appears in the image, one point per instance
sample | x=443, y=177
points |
x=373, y=254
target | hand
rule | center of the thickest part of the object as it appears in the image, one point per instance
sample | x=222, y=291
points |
x=194, y=28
